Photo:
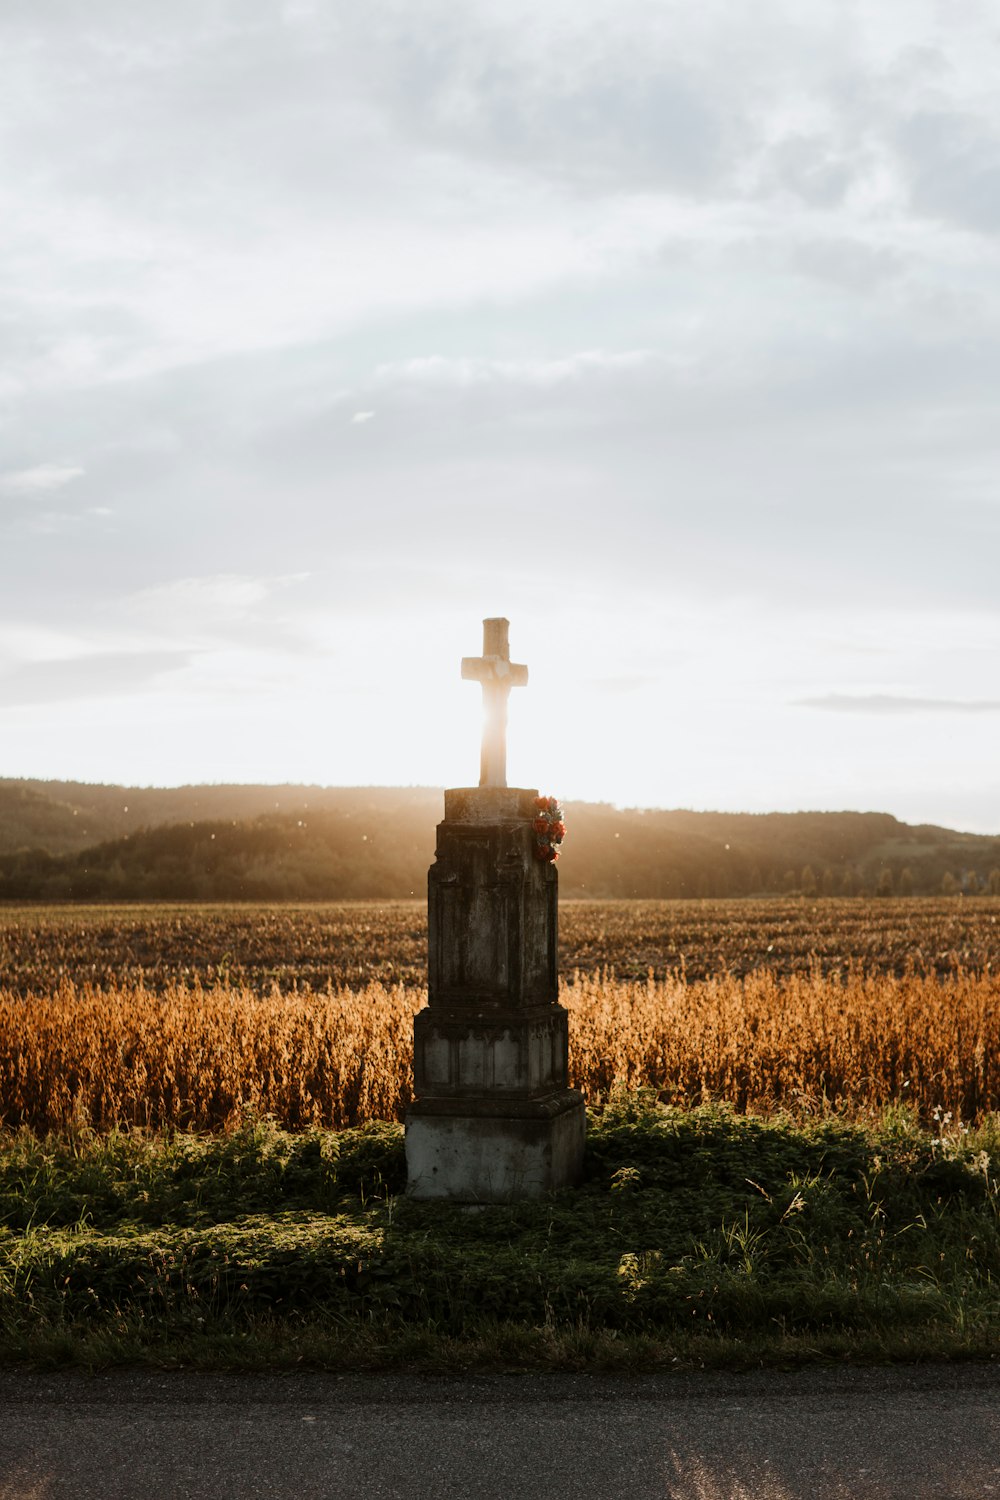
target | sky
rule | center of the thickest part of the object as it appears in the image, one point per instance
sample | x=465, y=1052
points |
x=671, y=332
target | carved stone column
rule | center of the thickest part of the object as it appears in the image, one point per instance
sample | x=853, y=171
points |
x=494, y=1119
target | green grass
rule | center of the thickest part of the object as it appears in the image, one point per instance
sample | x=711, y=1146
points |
x=698, y=1236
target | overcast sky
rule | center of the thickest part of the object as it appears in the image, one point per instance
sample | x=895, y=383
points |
x=671, y=331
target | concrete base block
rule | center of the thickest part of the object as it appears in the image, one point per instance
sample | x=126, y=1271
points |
x=524, y=1149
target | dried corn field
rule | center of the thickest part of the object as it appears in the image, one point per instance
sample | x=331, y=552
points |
x=194, y=1016
x=202, y=1058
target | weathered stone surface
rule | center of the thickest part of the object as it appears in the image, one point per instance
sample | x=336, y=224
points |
x=489, y=804
x=522, y=1054
x=526, y=1151
x=492, y=906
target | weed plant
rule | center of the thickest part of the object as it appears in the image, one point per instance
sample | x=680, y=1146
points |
x=699, y=1234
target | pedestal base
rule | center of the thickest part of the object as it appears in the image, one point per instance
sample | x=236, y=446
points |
x=469, y=1152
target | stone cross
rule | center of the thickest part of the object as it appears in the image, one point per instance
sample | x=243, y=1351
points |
x=498, y=674
x=494, y=1119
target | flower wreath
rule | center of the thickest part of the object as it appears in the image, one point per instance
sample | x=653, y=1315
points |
x=550, y=830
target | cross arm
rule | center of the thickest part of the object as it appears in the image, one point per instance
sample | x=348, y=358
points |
x=494, y=669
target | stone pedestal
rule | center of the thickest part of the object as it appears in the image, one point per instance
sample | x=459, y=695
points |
x=493, y=1120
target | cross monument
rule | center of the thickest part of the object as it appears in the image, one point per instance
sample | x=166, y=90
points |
x=498, y=674
x=493, y=1120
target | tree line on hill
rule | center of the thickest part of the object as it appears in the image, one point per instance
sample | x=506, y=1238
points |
x=309, y=843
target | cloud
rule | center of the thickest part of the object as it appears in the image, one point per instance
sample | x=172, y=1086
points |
x=848, y=262
x=40, y=479
x=437, y=370
x=890, y=703
x=204, y=613
x=362, y=416
x=620, y=685
x=112, y=674
x=219, y=596
x=953, y=162
x=23, y=643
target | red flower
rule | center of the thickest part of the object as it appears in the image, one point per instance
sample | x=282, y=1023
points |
x=549, y=828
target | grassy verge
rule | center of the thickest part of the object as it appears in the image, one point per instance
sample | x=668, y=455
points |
x=698, y=1236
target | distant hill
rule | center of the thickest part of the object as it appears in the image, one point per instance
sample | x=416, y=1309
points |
x=71, y=840
x=62, y=817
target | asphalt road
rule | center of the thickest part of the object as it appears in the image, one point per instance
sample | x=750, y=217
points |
x=914, y=1433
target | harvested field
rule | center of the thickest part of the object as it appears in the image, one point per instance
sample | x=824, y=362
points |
x=357, y=943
